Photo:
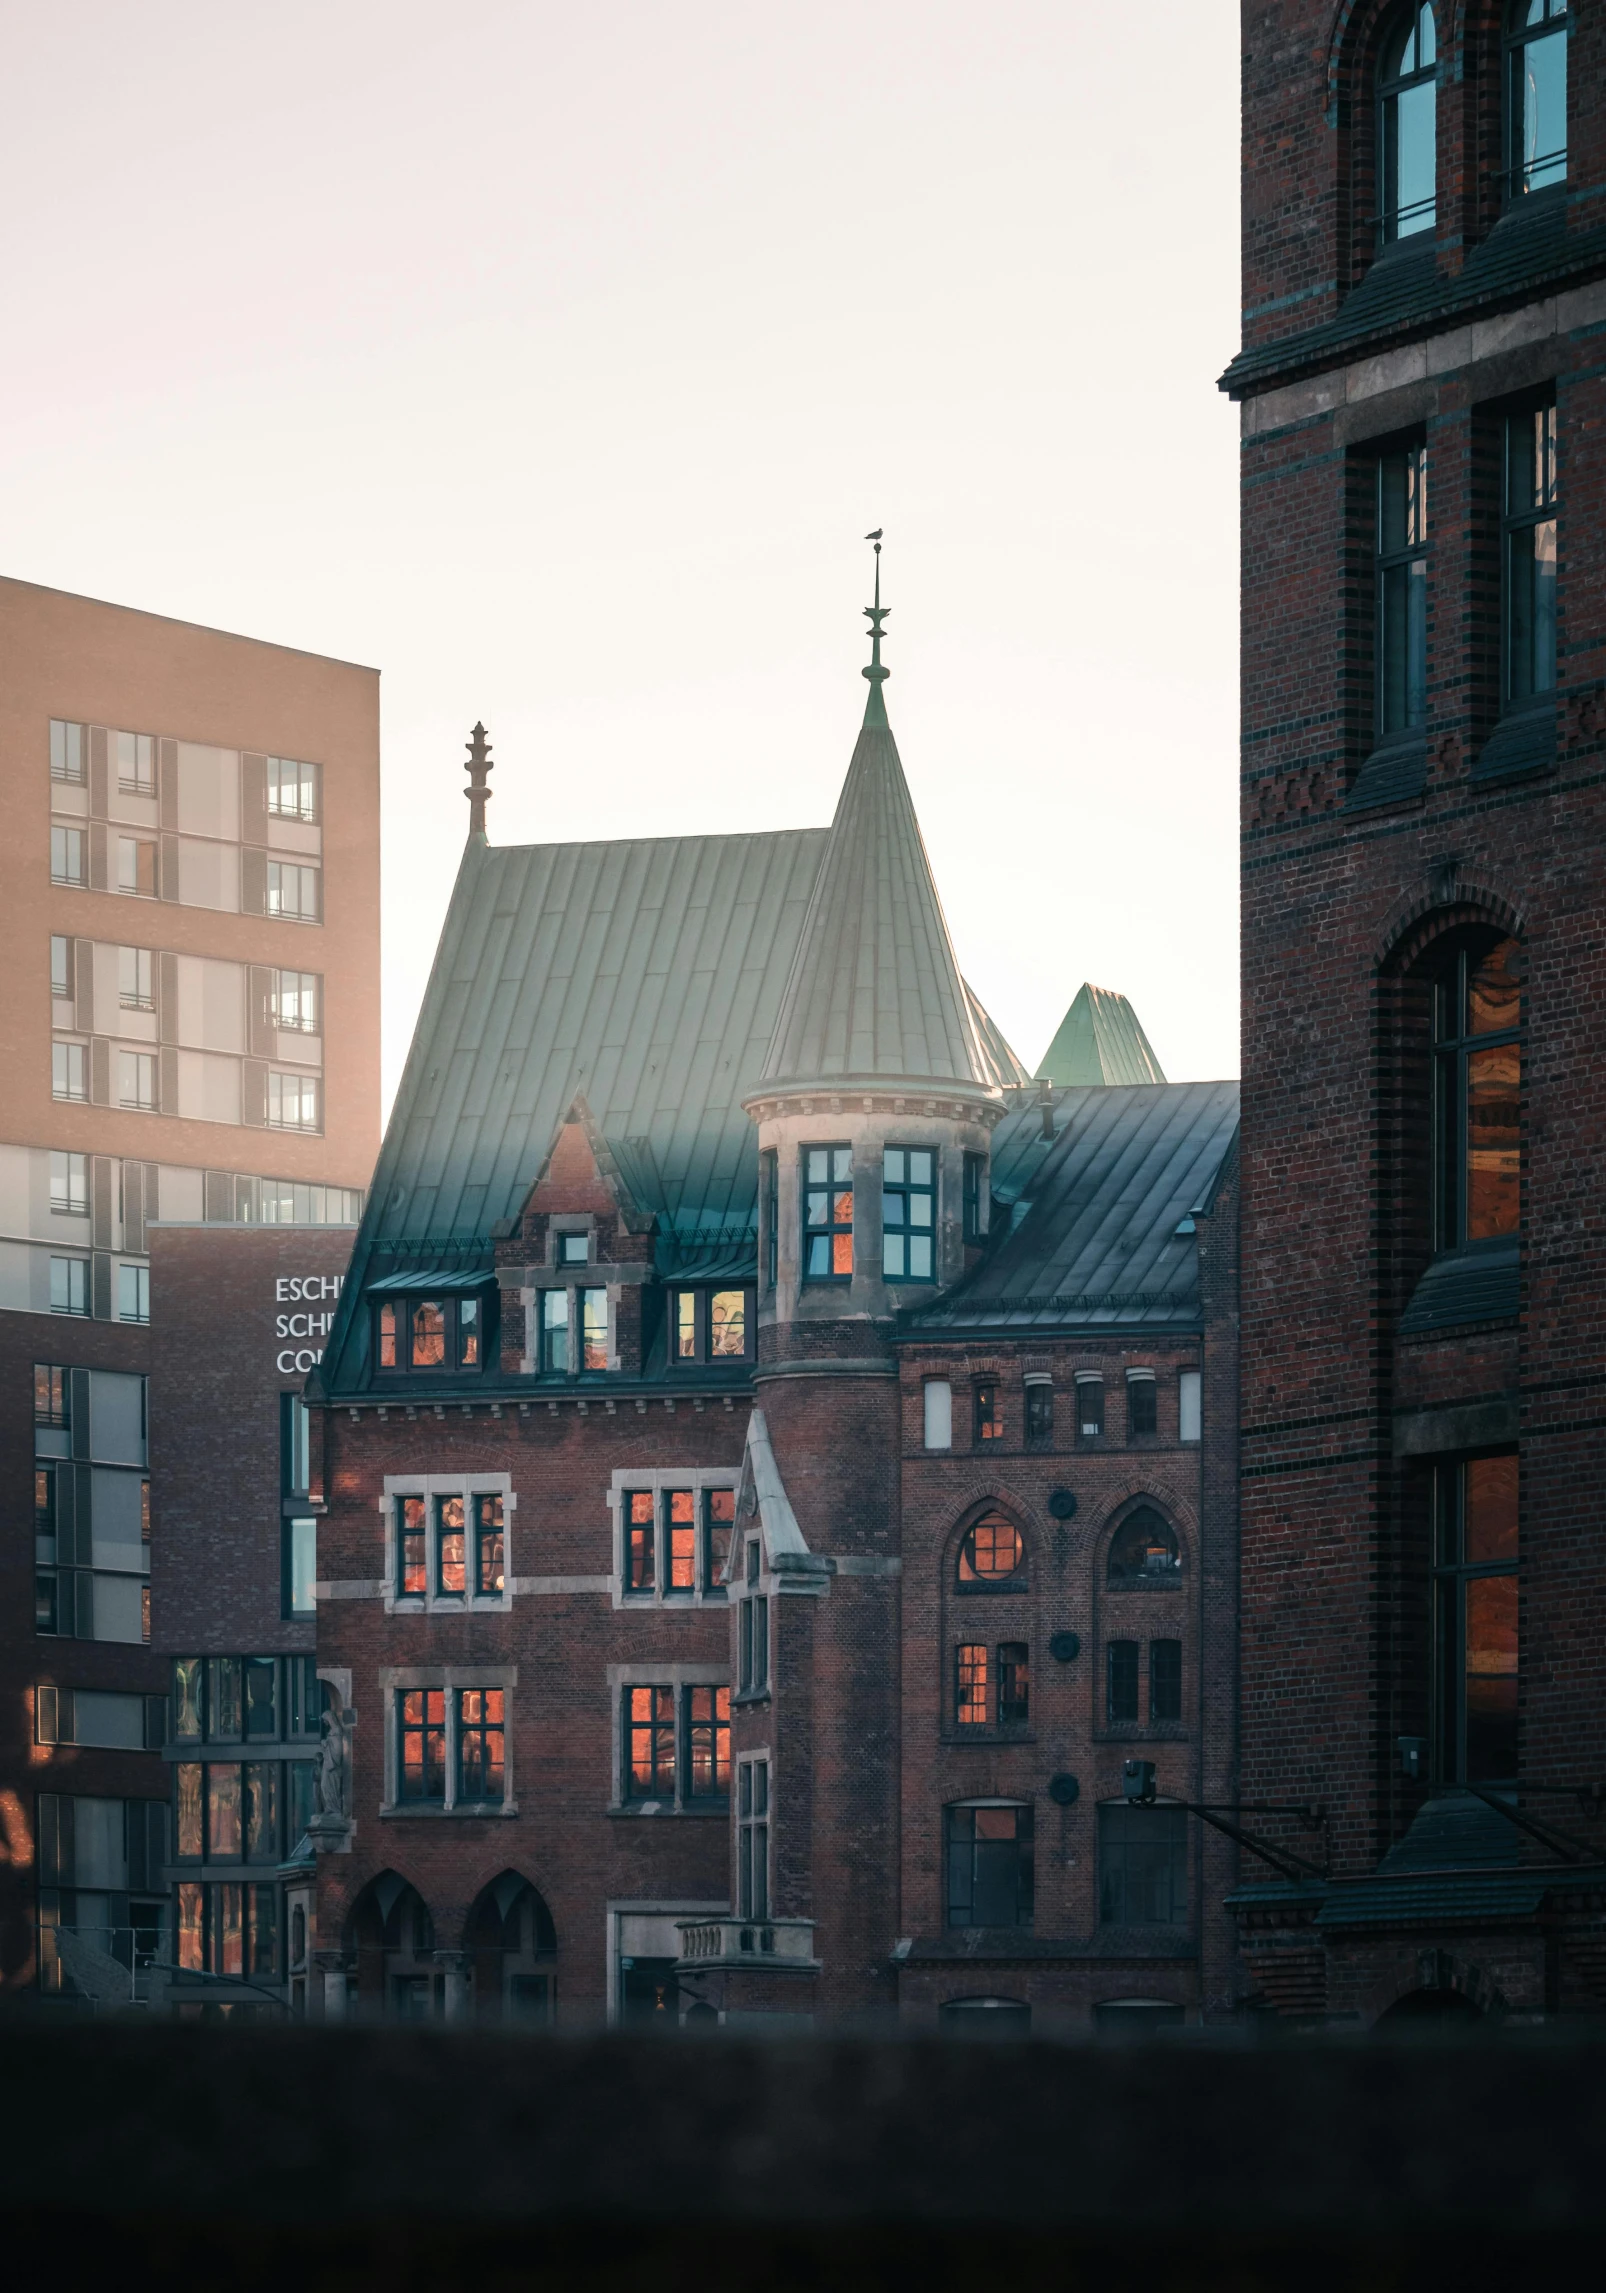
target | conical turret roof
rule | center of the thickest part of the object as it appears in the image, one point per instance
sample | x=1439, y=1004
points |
x=875, y=994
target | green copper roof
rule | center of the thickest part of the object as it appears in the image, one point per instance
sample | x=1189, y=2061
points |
x=1100, y=1040
x=646, y=975
x=875, y=993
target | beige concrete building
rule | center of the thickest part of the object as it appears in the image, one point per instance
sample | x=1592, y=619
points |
x=189, y=885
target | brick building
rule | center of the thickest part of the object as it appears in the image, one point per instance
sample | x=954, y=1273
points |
x=777, y=1464
x=239, y=1316
x=191, y=1035
x=1424, y=692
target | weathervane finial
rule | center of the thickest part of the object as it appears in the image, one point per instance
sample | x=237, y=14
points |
x=875, y=708
x=479, y=764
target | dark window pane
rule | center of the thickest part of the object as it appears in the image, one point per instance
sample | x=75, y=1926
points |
x=1039, y=1412
x=1144, y=1546
x=1491, y=1509
x=1165, y=1680
x=1491, y=1678
x=1121, y=1682
x=1143, y=1866
x=1014, y=1684
x=1140, y=1407
x=1089, y=1407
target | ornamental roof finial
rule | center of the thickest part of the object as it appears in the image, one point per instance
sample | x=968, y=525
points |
x=479, y=764
x=875, y=708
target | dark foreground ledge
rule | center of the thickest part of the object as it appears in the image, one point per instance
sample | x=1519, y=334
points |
x=399, y=2158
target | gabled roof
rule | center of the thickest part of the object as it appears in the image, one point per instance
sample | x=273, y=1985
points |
x=1100, y=1040
x=875, y=993
x=1101, y=1226
x=643, y=976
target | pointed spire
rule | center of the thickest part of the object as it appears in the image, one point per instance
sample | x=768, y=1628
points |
x=875, y=708
x=479, y=764
x=875, y=993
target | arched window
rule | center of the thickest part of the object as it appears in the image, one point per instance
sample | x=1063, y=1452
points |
x=1536, y=95
x=992, y=1556
x=1407, y=141
x=1477, y=1093
x=1144, y=1549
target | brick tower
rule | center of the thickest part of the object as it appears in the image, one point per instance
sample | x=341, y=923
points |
x=874, y=1113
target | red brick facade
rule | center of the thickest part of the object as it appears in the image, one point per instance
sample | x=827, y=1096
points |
x=1372, y=852
x=937, y=1627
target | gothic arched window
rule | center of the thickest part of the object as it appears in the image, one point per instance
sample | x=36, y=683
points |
x=1143, y=1549
x=1407, y=138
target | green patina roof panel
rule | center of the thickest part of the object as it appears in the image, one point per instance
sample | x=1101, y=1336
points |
x=1100, y=1040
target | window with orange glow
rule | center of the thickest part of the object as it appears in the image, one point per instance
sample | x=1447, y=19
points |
x=719, y=1518
x=650, y=1743
x=970, y=1684
x=991, y=1554
x=428, y=1334
x=422, y=1741
x=708, y=1743
x=680, y=1506
x=641, y=1541
x=451, y=1545
x=828, y=1213
x=479, y=1745
x=414, y=1543
x=1477, y=1094
x=387, y=1337
x=488, y=1545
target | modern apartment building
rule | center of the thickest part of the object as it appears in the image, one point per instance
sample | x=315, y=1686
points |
x=190, y=882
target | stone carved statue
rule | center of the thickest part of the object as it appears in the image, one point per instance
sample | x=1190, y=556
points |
x=333, y=1763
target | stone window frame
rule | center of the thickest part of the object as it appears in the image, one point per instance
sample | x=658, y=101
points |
x=395, y=1680
x=625, y=1481
x=431, y=1487
x=677, y=1677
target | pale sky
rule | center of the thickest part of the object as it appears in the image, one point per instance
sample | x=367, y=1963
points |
x=553, y=360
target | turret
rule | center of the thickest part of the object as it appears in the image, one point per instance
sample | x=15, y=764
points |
x=878, y=1095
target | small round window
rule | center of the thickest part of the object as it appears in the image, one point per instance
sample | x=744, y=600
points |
x=1143, y=1548
x=992, y=1552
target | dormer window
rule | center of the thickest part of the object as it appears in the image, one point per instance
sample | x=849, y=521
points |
x=574, y=1250
x=711, y=1326
x=446, y=1335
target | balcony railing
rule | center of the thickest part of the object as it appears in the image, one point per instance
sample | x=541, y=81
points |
x=787, y=1943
